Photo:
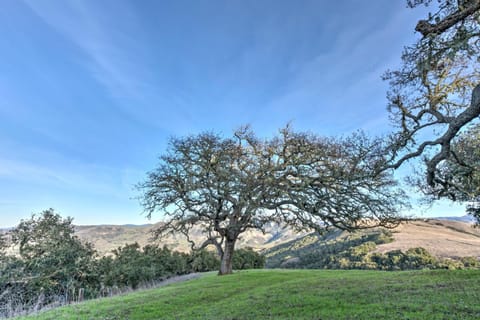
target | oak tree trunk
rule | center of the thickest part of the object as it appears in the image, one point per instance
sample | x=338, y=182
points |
x=227, y=258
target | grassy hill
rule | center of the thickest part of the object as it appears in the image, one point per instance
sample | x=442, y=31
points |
x=296, y=294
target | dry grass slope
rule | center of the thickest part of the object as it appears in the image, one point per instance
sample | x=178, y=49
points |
x=105, y=238
x=442, y=238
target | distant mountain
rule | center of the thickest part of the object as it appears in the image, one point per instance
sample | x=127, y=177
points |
x=465, y=218
x=105, y=238
x=441, y=237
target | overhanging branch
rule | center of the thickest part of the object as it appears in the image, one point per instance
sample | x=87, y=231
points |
x=454, y=125
x=426, y=28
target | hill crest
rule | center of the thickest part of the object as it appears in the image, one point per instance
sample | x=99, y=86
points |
x=442, y=238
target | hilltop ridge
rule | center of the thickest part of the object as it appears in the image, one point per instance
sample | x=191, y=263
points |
x=442, y=238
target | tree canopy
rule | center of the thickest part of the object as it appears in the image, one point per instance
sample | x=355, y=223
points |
x=51, y=262
x=225, y=186
x=435, y=94
x=462, y=173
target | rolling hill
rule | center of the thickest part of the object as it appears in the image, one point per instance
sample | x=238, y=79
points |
x=108, y=237
x=442, y=238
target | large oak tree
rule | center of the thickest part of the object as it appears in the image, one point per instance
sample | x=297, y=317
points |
x=225, y=186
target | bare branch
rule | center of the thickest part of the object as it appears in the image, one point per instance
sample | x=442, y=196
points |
x=469, y=8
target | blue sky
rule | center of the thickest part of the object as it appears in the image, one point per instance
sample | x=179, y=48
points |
x=90, y=91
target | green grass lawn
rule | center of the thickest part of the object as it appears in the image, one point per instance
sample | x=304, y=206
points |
x=296, y=294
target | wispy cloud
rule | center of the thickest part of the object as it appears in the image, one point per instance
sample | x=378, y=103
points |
x=91, y=193
x=116, y=56
x=340, y=89
x=90, y=179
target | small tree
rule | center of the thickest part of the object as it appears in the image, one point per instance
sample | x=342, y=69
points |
x=248, y=259
x=53, y=261
x=203, y=260
x=225, y=186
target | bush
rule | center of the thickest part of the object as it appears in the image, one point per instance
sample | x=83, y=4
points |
x=51, y=263
x=470, y=262
x=248, y=259
x=204, y=260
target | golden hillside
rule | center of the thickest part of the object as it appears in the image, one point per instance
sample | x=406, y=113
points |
x=105, y=238
x=442, y=238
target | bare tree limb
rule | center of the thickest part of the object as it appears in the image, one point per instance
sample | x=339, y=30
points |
x=469, y=8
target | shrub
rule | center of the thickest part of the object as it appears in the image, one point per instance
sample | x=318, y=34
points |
x=247, y=258
x=204, y=260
